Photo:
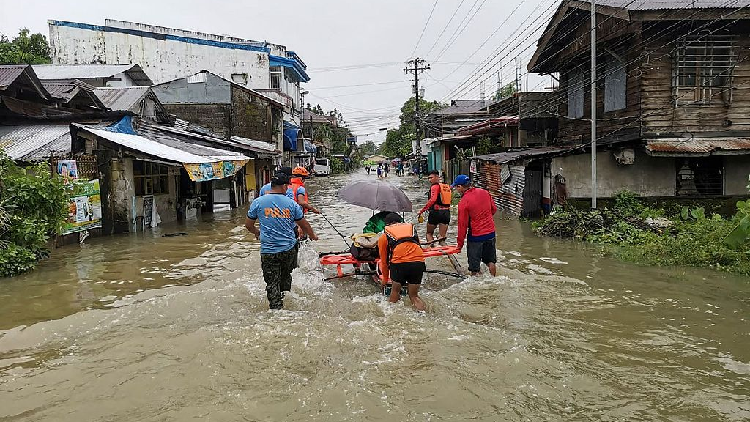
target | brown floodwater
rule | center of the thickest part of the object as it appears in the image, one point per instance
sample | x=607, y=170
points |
x=145, y=327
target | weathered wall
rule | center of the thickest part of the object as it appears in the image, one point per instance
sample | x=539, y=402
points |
x=124, y=192
x=215, y=117
x=213, y=90
x=162, y=59
x=648, y=176
x=728, y=111
x=736, y=171
x=251, y=116
x=121, y=198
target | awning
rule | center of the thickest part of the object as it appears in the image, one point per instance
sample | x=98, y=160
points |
x=697, y=147
x=290, y=64
x=291, y=132
x=201, y=162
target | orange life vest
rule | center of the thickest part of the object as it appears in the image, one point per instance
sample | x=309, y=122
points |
x=398, y=234
x=445, y=196
x=297, y=183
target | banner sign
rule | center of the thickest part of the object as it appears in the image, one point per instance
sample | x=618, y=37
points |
x=213, y=171
x=84, y=208
x=68, y=170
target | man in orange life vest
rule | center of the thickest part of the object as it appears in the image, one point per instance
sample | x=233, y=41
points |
x=401, y=259
x=439, y=206
x=297, y=186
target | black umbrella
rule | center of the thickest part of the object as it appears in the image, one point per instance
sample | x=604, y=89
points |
x=376, y=195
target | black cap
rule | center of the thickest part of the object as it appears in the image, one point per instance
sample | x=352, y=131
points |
x=279, y=178
x=285, y=170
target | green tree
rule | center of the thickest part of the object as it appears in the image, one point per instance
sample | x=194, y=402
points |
x=505, y=91
x=368, y=148
x=33, y=205
x=24, y=49
x=398, y=141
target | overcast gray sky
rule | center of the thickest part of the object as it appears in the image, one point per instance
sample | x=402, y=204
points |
x=355, y=50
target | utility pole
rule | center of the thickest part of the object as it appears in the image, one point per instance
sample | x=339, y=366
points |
x=417, y=66
x=593, y=104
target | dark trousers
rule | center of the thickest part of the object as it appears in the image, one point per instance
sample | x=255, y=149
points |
x=277, y=273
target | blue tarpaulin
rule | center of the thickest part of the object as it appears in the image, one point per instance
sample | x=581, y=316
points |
x=310, y=147
x=125, y=125
x=291, y=132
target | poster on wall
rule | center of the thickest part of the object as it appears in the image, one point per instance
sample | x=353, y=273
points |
x=212, y=171
x=84, y=208
x=148, y=210
x=68, y=170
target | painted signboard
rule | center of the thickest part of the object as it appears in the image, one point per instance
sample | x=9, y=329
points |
x=84, y=208
x=212, y=171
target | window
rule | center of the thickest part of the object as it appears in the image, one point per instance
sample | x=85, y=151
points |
x=702, y=71
x=615, y=86
x=276, y=77
x=575, y=94
x=150, y=178
x=700, y=177
x=240, y=78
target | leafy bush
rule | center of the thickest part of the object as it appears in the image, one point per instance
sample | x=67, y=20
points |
x=32, y=208
x=690, y=238
x=337, y=165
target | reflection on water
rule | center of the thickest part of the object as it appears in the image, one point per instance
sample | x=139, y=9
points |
x=155, y=328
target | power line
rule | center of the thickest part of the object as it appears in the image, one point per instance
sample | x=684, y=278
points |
x=453, y=39
x=425, y=28
x=445, y=27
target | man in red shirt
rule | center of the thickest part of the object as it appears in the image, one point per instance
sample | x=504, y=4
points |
x=439, y=206
x=475, y=215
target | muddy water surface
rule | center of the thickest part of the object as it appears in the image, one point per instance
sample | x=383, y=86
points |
x=154, y=328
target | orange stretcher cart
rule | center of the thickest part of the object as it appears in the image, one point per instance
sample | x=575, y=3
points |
x=341, y=259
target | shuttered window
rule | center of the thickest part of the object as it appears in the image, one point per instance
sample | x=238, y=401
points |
x=615, y=86
x=575, y=94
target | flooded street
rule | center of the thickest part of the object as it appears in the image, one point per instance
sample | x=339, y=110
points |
x=154, y=328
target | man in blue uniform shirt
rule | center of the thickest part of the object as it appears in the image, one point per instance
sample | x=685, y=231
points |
x=278, y=215
x=267, y=187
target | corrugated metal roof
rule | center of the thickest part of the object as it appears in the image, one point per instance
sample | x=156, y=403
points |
x=9, y=73
x=489, y=124
x=697, y=147
x=673, y=4
x=510, y=156
x=68, y=90
x=261, y=146
x=164, y=147
x=122, y=98
x=34, y=142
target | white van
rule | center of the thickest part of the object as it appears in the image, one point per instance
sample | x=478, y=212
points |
x=322, y=167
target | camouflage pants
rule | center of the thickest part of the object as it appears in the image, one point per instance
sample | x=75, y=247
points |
x=277, y=273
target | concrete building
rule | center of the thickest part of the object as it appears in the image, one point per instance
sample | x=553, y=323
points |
x=167, y=54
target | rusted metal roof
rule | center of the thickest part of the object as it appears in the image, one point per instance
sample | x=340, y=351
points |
x=35, y=142
x=680, y=147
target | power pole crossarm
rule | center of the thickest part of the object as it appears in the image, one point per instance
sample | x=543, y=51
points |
x=417, y=66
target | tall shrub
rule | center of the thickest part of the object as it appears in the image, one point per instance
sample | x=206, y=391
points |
x=33, y=205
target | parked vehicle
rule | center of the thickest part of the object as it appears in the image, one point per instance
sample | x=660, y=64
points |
x=322, y=167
